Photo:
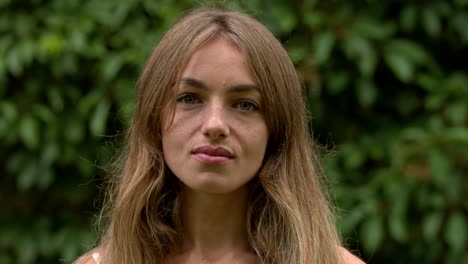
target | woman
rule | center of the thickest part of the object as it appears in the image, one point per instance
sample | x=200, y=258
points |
x=219, y=166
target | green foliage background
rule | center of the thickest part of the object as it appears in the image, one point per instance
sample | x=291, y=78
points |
x=387, y=83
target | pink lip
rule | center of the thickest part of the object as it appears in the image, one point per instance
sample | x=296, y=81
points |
x=212, y=155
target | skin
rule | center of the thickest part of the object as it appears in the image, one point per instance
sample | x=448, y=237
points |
x=218, y=106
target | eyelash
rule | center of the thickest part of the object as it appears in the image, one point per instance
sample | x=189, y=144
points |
x=182, y=97
x=253, y=106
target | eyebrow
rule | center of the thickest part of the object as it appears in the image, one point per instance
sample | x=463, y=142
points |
x=235, y=88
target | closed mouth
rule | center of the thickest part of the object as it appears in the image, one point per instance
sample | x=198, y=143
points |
x=211, y=155
x=214, y=151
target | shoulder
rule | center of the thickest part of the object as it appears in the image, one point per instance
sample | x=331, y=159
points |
x=91, y=257
x=349, y=258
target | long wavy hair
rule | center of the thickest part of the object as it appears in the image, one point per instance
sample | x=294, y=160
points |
x=289, y=218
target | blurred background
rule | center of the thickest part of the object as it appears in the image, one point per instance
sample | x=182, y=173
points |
x=387, y=83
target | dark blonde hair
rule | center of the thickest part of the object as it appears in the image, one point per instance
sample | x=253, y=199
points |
x=289, y=218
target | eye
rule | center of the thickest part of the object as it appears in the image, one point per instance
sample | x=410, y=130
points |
x=187, y=99
x=246, y=106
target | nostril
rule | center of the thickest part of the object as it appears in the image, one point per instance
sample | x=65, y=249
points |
x=215, y=124
x=215, y=133
x=215, y=129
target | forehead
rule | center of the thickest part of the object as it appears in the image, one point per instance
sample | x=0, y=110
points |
x=219, y=60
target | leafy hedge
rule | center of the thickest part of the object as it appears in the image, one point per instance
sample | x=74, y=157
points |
x=388, y=89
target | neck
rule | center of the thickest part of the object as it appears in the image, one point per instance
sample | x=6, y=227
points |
x=214, y=223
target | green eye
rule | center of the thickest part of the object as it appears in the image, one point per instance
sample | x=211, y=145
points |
x=187, y=99
x=246, y=106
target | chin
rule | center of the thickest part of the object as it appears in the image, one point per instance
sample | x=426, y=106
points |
x=213, y=186
x=210, y=188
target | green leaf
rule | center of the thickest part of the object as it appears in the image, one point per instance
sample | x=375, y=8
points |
x=50, y=153
x=457, y=135
x=287, y=22
x=357, y=48
x=440, y=167
x=456, y=231
x=366, y=92
x=44, y=113
x=459, y=22
x=408, y=18
x=400, y=66
x=372, y=234
x=353, y=155
x=414, y=133
x=296, y=51
x=53, y=44
x=454, y=186
x=28, y=250
x=27, y=49
x=434, y=102
x=75, y=130
x=337, y=81
x=77, y=41
x=99, y=119
x=370, y=28
x=8, y=111
x=4, y=3
x=402, y=57
x=410, y=49
x=429, y=82
x=438, y=200
x=323, y=46
x=55, y=99
x=111, y=66
x=16, y=162
x=45, y=176
x=398, y=227
x=431, y=225
x=13, y=62
x=29, y=132
x=351, y=221
x=27, y=176
x=87, y=102
x=431, y=21
x=280, y=18
x=368, y=62
x=457, y=112
x=314, y=19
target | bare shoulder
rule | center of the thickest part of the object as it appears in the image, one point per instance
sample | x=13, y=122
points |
x=92, y=257
x=85, y=259
x=349, y=258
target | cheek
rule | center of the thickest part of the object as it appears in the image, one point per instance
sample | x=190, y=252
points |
x=264, y=135
x=258, y=143
x=174, y=137
x=168, y=128
x=167, y=138
x=171, y=150
x=165, y=119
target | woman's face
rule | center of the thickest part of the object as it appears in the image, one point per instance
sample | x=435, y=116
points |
x=217, y=140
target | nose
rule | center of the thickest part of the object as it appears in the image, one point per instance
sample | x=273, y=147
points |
x=215, y=124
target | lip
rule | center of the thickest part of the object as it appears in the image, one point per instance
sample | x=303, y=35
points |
x=212, y=154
